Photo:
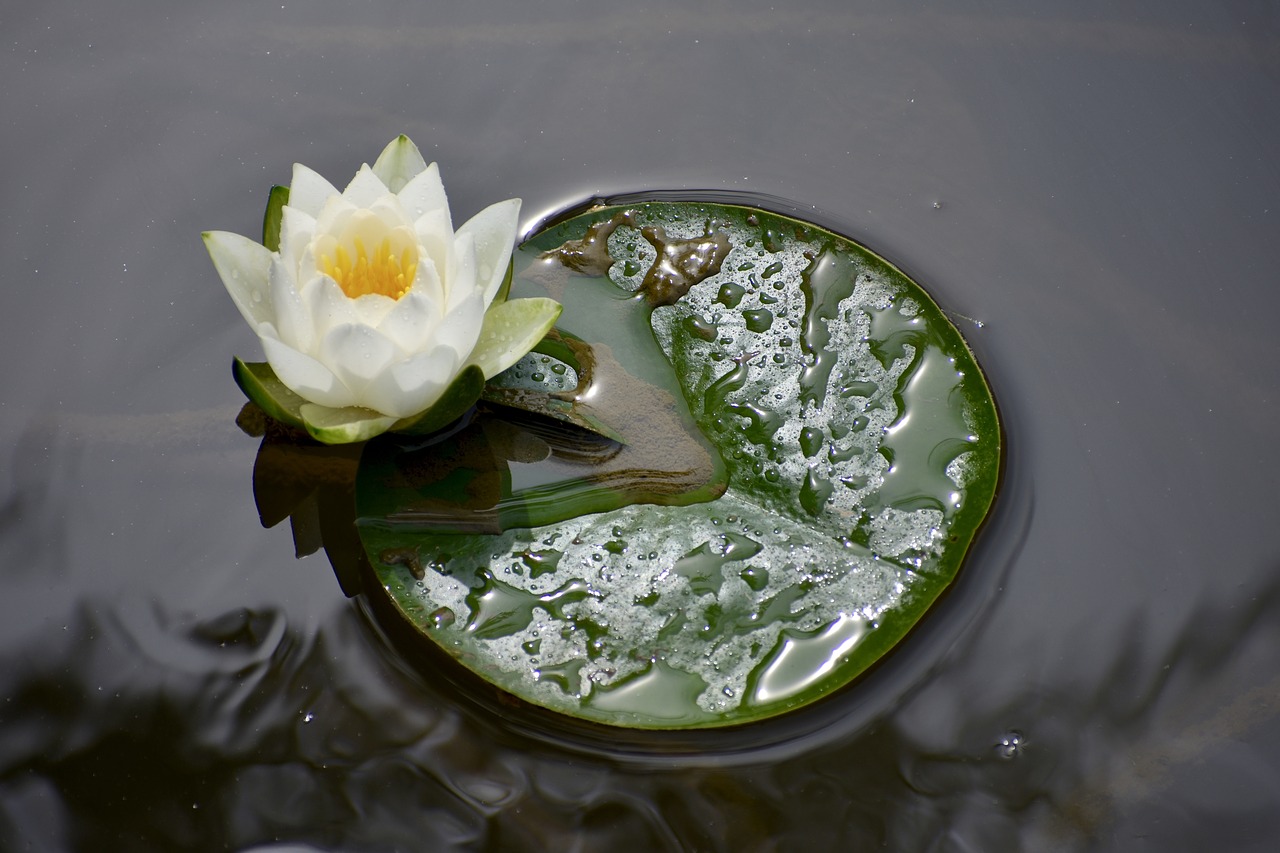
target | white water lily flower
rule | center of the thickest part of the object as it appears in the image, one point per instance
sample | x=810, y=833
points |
x=373, y=303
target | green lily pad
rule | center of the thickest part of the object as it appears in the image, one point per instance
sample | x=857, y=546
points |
x=807, y=448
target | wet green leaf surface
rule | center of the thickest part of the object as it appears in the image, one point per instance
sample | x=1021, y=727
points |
x=805, y=450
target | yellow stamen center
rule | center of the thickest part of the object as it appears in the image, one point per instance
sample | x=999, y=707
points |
x=359, y=272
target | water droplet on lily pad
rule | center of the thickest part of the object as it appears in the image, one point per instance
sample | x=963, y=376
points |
x=702, y=507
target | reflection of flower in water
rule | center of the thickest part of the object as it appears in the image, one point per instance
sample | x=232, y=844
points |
x=312, y=485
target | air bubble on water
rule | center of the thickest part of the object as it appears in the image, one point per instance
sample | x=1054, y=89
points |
x=1011, y=745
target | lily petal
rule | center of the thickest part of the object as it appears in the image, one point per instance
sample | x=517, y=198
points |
x=369, y=227
x=460, y=274
x=461, y=326
x=372, y=308
x=296, y=228
x=365, y=188
x=414, y=384
x=399, y=163
x=308, y=190
x=494, y=232
x=425, y=194
x=334, y=215
x=291, y=318
x=356, y=354
x=413, y=321
x=305, y=376
x=391, y=212
x=435, y=240
x=510, y=330
x=327, y=306
x=428, y=280
x=243, y=266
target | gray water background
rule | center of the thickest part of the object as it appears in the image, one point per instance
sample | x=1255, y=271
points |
x=1095, y=186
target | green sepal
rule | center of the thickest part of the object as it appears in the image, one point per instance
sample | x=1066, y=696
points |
x=343, y=426
x=259, y=383
x=351, y=424
x=460, y=396
x=273, y=217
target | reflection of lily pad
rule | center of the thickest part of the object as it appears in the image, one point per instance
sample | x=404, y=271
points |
x=856, y=433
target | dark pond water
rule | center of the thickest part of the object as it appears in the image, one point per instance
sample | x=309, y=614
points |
x=1093, y=193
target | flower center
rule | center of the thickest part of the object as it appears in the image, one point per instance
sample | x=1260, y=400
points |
x=359, y=271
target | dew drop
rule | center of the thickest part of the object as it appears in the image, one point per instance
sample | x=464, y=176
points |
x=758, y=320
x=859, y=389
x=730, y=295
x=814, y=492
x=756, y=578
x=810, y=441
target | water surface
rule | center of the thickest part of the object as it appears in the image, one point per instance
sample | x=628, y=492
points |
x=1091, y=192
